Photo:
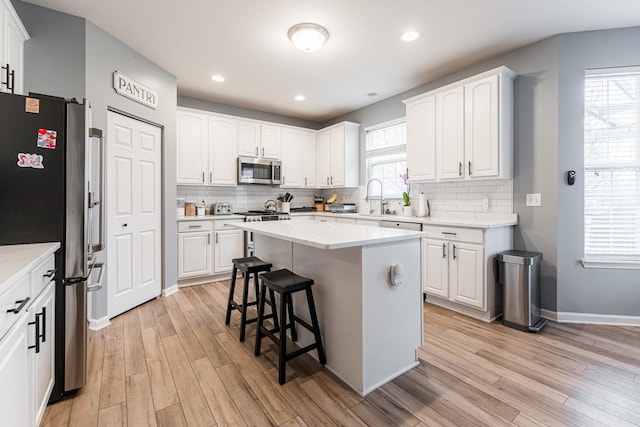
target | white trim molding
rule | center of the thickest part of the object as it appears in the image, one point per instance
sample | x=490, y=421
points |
x=591, y=318
x=608, y=263
x=97, y=324
x=170, y=290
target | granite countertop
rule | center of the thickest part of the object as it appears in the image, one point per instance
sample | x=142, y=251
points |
x=325, y=235
x=17, y=260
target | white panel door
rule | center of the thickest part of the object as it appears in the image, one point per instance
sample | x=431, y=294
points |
x=229, y=245
x=421, y=139
x=323, y=158
x=15, y=393
x=194, y=252
x=466, y=274
x=134, y=162
x=292, y=172
x=248, y=138
x=337, y=157
x=42, y=311
x=271, y=141
x=192, y=148
x=450, y=134
x=223, y=151
x=482, y=139
x=309, y=159
x=435, y=268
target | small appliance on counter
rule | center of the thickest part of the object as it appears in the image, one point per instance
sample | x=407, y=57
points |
x=200, y=210
x=341, y=208
x=190, y=208
x=180, y=207
x=318, y=202
x=222, y=209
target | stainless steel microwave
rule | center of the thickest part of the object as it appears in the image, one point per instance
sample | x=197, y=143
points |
x=253, y=170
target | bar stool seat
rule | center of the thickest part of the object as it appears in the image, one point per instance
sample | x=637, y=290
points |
x=248, y=266
x=286, y=283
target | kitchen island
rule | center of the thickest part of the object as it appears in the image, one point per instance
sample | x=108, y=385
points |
x=371, y=328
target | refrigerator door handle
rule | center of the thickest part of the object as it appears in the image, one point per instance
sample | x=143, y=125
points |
x=92, y=287
x=97, y=202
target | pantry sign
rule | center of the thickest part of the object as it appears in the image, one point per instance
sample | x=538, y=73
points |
x=126, y=86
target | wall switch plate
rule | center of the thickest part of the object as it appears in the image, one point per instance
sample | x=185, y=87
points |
x=534, y=199
x=485, y=203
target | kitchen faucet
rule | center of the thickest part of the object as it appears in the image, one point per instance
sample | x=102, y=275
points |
x=368, y=198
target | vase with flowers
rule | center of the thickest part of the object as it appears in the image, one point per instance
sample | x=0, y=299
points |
x=407, y=210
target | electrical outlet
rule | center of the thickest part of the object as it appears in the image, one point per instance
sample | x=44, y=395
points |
x=534, y=199
x=485, y=203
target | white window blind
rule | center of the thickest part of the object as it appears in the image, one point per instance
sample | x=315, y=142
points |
x=612, y=164
x=386, y=157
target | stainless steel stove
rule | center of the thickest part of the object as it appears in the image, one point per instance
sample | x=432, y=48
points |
x=258, y=216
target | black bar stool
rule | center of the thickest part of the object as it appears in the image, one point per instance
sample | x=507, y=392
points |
x=249, y=265
x=286, y=283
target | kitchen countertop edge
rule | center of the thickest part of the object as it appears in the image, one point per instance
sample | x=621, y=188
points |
x=18, y=260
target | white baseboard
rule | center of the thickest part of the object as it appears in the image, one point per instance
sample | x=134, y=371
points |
x=591, y=318
x=170, y=290
x=97, y=324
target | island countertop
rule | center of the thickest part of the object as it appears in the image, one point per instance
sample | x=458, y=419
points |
x=324, y=235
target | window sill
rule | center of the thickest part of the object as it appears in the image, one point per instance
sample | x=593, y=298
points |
x=612, y=264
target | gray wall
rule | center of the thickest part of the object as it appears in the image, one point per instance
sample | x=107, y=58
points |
x=216, y=107
x=104, y=55
x=80, y=59
x=581, y=290
x=55, y=55
x=535, y=154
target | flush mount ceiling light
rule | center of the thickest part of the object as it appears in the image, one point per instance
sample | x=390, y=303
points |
x=410, y=36
x=308, y=37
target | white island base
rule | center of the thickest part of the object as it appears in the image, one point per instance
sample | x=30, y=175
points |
x=371, y=330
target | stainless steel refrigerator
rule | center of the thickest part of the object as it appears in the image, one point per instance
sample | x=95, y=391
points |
x=46, y=194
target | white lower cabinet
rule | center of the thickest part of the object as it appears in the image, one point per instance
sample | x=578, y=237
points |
x=194, y=249
x=14, y=376
x=42, y=357
x=458, y=272
x=27, y=359
x=229, y=244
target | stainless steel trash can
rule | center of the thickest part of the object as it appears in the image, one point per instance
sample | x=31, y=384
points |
x=519, y=273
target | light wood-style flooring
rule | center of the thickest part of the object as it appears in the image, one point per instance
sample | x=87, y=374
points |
x=173, y=362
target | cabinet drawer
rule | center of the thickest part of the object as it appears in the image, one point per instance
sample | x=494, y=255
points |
x=42, y=274
x=8, y=301
x=223, y=224
x=473, y=235
x=187, y=226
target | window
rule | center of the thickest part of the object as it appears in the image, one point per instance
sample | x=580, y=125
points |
x=612, y=165
x=386, y=157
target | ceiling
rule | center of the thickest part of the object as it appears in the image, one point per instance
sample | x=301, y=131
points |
x=246, y=42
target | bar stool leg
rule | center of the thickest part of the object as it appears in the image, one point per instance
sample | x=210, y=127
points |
x=259, y=333
x=292, y=322
x=243, y=317
x=282, y=354
x=232, y=288
x=274, y=311
x=322, y=358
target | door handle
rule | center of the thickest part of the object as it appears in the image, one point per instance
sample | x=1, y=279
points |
x=459, y=168
x=93, y=202
x=469, y=167
x=216, y=238
x=202, y=176
x=37, y=336
x=262, y=151
x=92, y=287
x=210, y=176
x=331, y=180
x=50, y=273
x=257, y=151
x=208, y=239
x=305, y=181
x=125, y=225
x=444, y=250
x=454, y=251
x=44, y=325
x=20, y=307
x=10, y=83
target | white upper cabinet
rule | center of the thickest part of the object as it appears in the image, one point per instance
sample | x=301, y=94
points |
x=256, y=139
x=223, y=137
x=337, y=156
x=12, y=38
x=467, y=127
x=193, y=147
x=309, y=158
x=292, y=169
x=270, y=141
x=207, y=148
x=421, y=139
x=450, y=133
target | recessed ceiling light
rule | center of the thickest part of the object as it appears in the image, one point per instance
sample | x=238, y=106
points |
x=410, y=36
x=308, y=37
x=299, y=98
x=217, y=78
x=372, y=94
